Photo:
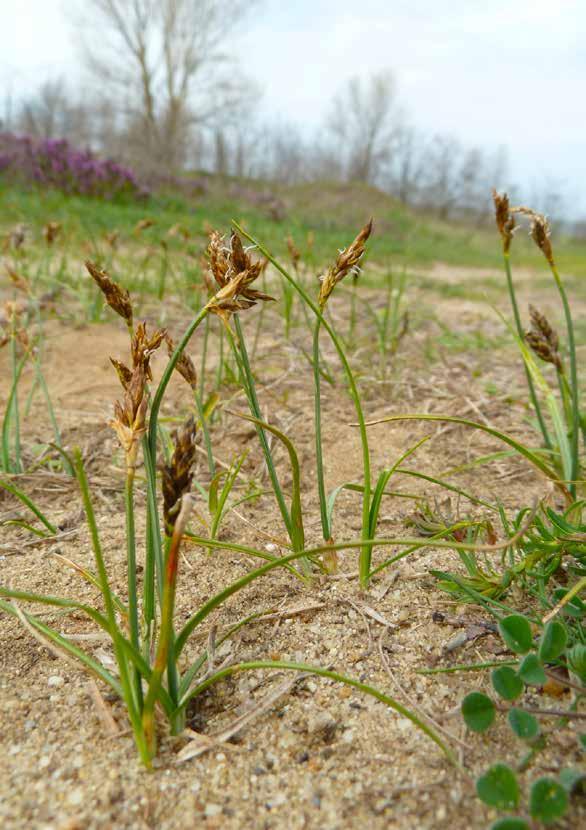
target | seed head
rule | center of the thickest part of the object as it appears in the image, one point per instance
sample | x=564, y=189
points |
x=543, y=339
x=112, y=238
x=177, y=475
x=293, y=252
x=540, y=232
x=123, y=372
x=51, y=231
x=184, y=365
x=143, y=224
x=234, y=272
x=505, y=220
x=16, y=237
x=179, y=230
x=143, y=345
x=346, y=262
x=19, y=282
x=117, y=297
x=130, y=415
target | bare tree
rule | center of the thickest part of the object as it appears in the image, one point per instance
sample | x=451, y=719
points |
x=406, y=169
x=163, y=60
x=51, y=113
x=362, y=120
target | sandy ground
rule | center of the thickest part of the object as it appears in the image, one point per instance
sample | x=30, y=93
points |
x=323, y=756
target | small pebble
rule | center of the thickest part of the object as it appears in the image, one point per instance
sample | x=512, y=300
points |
x=56, y=681
x=75, y=797
x=212, y=810
x=322, y=724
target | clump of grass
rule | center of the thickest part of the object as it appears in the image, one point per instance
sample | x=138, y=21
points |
x=22, y=333
x=151, y=676
x=563, y=444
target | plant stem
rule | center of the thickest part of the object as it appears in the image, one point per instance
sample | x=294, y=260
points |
x=575, y=424
x=241, y=355
x=128, y=692
x=131, y=567
x=366, y=551
x=331, y=675
x=166, y=639
x=521, y=334
x=321, y=487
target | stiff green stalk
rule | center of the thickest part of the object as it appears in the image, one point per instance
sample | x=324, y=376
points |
x=521, y=334
x=574, y=390
x=338, y=678
x=131, y=568
x=366, y=551
x=321, y=486
x=129, y=695
x=165, y=646
x=241, y=355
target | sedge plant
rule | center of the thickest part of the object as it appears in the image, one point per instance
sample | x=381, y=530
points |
x=152, y=675
x=544, y=341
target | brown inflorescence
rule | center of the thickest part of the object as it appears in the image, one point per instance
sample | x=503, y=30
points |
x=51, y=231
x=234, y=271
x=129, y=422
x=293, y=251
x=346, y=262
x=178, y=474
x=540, y=232
x=505, y=219
x=143, y=345
x=184, y=365
x=543, y=339
x=117, y=297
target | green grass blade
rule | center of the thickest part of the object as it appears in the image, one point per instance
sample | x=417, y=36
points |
x=66, y=645
x=392, y=703
x=15, y=491
x=529, y=455
x=298, y=535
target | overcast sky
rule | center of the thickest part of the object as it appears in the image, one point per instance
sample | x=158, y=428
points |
x=491, y=72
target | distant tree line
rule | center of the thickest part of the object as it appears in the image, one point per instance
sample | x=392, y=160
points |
x=171, y=96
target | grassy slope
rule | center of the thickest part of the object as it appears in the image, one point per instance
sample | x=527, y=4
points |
x=332, y=213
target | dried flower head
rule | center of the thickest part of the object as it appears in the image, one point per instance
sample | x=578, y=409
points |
x=541, y=235
x=51, y=231
x=346, y=262
x=184, y=365
x=179, y=230
x=234, y=271
x=123, y=372
x=505, y=220
x=130, y=415
x=177, y=475
x=543, y=339
x=143, y=224
x=540, y=232
x=19, y=282
x=117, y=297
x=16, y=237
x=112, y=238
x=143, y=345
x=294, y=252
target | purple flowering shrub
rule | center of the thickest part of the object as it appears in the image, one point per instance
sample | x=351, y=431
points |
x=55, y=163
